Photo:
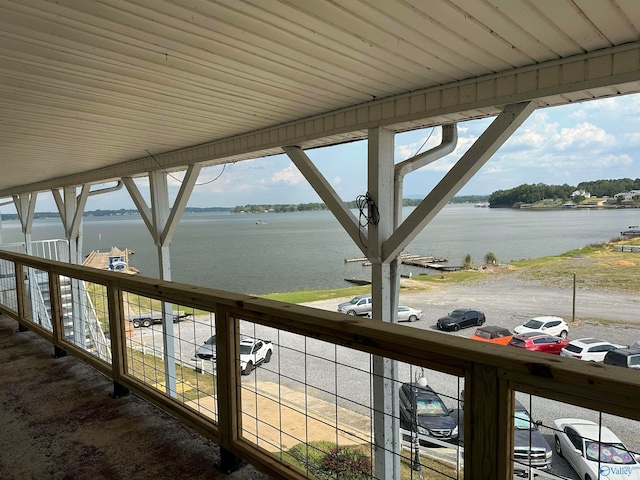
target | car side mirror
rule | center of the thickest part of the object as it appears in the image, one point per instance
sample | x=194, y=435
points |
x=539, y=423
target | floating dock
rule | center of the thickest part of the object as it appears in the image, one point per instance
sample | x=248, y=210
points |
x=414, y=260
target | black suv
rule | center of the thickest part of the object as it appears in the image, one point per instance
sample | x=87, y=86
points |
x=624, y=357
x=433, y=417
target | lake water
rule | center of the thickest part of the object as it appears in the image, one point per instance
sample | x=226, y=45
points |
x=306, y=250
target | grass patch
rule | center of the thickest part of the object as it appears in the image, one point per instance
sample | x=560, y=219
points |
x=309, y=458
x=304, y=296
x=595, y=267
x=448, y=278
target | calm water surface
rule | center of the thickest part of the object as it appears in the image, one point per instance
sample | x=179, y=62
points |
x=306, y=250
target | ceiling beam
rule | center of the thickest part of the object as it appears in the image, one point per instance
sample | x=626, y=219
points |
x=472, y=98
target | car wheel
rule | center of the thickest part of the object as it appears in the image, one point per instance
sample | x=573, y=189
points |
x=136, y=323
x=558, y=447
x=248, y=368
x=587, y=477
x=351, y=312
x=146, y=322
x=267, y=357
x=563, y=334
x=480, y=321
x=456, y=328
x=413, y=318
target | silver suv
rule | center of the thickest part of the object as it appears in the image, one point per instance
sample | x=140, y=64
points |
x=360, y=305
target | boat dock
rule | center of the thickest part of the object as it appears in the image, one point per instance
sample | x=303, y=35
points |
x=414, y=260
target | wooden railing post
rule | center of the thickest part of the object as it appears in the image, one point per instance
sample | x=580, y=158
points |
x=20, y=295
x=57, y=319
x=228, y=388
x=488, y=425
x=117, y=334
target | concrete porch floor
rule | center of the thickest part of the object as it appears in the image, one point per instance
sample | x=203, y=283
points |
x=58, y=421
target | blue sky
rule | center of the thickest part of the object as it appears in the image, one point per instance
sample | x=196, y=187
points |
x=569, y=144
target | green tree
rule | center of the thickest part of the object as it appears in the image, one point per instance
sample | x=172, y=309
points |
x=490, y=258
x=468, y=262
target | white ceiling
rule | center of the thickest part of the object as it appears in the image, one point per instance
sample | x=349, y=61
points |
x=86, y=87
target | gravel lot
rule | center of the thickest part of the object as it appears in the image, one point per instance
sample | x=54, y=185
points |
x=508, y=301
x=342, y=375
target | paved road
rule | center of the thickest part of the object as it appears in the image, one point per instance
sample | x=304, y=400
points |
x=343, y=376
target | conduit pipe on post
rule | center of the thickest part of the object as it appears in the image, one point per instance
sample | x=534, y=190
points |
x=447, y=145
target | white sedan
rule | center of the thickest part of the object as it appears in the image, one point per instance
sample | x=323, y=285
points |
x=406, y=314
x=594, y=451
x=550, y=325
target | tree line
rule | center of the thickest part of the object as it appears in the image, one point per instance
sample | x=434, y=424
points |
x=532, y=193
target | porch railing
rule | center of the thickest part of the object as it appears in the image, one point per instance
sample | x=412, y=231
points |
x=309, y=404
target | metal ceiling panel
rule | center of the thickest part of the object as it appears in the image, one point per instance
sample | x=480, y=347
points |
x=87, y=87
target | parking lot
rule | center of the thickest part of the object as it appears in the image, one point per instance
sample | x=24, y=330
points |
x=339, y=374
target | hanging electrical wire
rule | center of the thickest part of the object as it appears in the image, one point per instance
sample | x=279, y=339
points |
x=224, y=166
x=424, y=143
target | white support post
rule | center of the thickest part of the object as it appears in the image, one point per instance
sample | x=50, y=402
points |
x=71, y=208
x=162, y=223
x=25, y=206
x=385, y=299
x=160, y=214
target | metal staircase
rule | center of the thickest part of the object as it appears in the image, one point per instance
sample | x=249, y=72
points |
x=81, y=324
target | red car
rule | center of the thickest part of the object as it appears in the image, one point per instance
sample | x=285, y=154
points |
x=539, y=342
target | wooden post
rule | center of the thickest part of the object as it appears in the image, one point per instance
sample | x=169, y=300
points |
x=117, y=334
x=488, y=425
x=229, y=391
x=20, y=296
x=57, y=319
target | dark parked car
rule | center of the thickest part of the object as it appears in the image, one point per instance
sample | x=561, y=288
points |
x=433, y=417
x=624, y=357
x=461, y=318
x=530, y=447
x=539, y=342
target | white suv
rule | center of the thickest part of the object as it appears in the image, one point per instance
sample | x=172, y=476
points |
x=589, y=349
x=549, y=325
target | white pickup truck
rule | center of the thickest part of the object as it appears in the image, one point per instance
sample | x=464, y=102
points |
x=253, y=352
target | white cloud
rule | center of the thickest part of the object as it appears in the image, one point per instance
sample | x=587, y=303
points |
x=290, y=175
x=605, y=161
x=583, y=135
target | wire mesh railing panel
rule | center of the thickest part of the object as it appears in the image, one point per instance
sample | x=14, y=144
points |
x=311, y=404
x=8, y=293
x=562, y=441
x=177, y=360
x=37, y=301
x=85, y=316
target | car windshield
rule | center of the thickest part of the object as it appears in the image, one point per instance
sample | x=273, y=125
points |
x=354, y=300
x=245, y=349
x=533, y=324
x=456, y=313
x=431, y=407
x=608, y=453
x=522, y=421
x=482, y=334
x=211, y=341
